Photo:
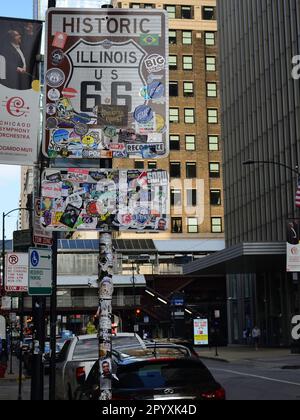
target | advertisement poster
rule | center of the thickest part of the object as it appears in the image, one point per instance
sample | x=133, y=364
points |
x=19, y=91
x=201, y=332
x=102, y=200
x=106, y=79
x=293, y=246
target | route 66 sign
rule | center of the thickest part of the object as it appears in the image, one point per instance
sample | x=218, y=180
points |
x=110, y=81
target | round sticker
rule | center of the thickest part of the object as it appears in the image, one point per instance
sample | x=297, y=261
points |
x=50, y=109
x=51, y=123
x=156, y=90
x=54, y=94
x=160, y=123
x=143, y=114
x=57, y=57
x=91, y=209
x=88, y=140
x=55, y=78
x=81, y=129
x=110, y=132
x=60, y=136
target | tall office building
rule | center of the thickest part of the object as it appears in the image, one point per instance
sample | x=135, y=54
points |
x=260, y=122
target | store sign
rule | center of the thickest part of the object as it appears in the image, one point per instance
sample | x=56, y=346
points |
x=104, y=200
x=106, y=84
x=19, y=91
x=201, y=332
x=16, y=272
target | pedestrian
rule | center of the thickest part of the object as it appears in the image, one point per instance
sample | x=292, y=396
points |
x=245, y=336
x=256, y=334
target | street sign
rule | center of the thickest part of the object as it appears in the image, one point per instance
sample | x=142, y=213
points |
x=103, y=200
x=107, y=84
x=40, y=236
x=16, y=272
x=22, y=239
x=40, y=272
x=6, y=303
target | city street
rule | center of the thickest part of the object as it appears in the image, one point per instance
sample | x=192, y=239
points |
x=258, y=380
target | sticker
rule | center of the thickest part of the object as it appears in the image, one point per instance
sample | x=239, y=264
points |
x=64, y=153
x=51, y=123
x=60, y=39
x=51, y=190
x=153, y=77
x=56, y=177
x=54, y=94
x=143, y=114
x=47, y=203
x=97, y=175
x=91, y=154
x=78, y=175
x=156, y=90
x=67, y=189
x=160, y=123
x=70, y=216
x=128, y=136
x=57, y=57
x=106, y=287
x=155, y=138
x=60, y=136
x=50, y=109
x=92, y=209
x=155, y=63
x=110, y=132
x=56, y=218
x=117, y=147
x=149, y=40
x=146, y=128
x=112, y=115
x=81, y=118
x=106, y=154
x=75, y=200
x=81, y=129
x=69, y=92
x=55, y=77
x=88, y=141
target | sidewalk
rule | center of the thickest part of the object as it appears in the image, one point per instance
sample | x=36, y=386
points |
x=234, y=354
x=15, y=369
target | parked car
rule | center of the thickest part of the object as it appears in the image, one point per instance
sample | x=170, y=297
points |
x=168, y=376
x=78, y=356
x=173, y=341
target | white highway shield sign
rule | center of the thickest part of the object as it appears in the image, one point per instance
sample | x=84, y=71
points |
x=40, y=272
x=107, y=84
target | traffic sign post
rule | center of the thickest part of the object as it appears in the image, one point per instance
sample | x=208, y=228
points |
x=40, y=272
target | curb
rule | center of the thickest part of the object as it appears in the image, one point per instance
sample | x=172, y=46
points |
x=215, y=359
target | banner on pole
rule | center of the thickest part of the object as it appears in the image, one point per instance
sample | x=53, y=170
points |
x=293, y=246
x=102, y=200
x=107, y=84
x=19, y=91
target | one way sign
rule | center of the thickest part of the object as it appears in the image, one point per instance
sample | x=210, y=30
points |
x=40, y=272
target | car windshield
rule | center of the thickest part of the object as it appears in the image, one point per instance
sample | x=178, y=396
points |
x=173, y=373
x=156, y=351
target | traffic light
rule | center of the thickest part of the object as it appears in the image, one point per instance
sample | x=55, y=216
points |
x=138, y=312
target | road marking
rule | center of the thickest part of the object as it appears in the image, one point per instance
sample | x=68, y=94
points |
x=256, y=376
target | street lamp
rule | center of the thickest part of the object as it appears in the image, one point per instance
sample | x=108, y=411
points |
x=271, y=162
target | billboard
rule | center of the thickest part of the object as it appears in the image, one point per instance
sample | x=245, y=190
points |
x=19, y=91
x=201, y=332
x=107, y=87
x=104, y=199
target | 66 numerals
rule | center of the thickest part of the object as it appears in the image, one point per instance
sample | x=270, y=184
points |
x=91, y=95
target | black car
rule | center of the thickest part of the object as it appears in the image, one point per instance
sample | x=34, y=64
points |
x=138, y=375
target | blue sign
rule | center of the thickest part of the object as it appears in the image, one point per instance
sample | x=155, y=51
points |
x=143, y=114
x=35, y=258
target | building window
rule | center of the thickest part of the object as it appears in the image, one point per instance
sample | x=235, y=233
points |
x=176, y=198
x=190, y=143
x=213, y=143
x=191, y=198
x=175, y=169
x=187, y=62
x=191, y=170
x=212, y=116
x=188, y=89
x=149, y=6
x=214, y=170
x=173, y=62
x=139, y=164
x=174, y=142
x=216, y=224
x=208, y=13
x=215, y=197
x=152, y=165
x=211, y=63
x=172, y=37
x=135, y=5
x=192, y=225
x=211, y=89
x=171, y=11
x=210, y=38
x=189, y=116
x=174, y=115
x=176, y=225
x=187, y=37
x=186, y=12
x=173, y=89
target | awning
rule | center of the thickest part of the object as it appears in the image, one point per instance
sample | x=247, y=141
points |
x=91, y=281
x=242, y=258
